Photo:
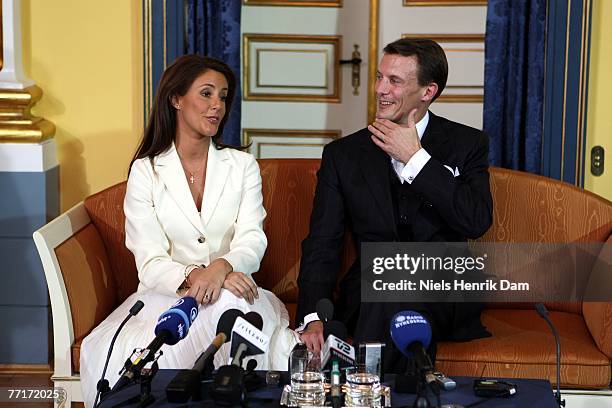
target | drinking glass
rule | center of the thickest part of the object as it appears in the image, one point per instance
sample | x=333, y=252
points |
x=363, y=389
x=307, y=382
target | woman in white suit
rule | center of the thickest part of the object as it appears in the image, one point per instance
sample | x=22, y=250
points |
x=194, y=222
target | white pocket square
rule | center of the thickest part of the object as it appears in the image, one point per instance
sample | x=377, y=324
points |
x=455, y=172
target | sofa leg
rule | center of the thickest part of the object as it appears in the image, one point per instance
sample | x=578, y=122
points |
x=69, y=391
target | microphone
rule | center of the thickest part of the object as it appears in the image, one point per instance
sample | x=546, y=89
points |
x=325, y=310
x=224, y=334
x=102, y=385
x=247, y=340
x=255, y=319
x=335, y=348
x=172, y=326
x=543, y=312
x=411, y=333
x=186, y=384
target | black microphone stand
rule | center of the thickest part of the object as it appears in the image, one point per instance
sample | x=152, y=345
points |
x=144, y=378
x=421, y=400
x=543, y=312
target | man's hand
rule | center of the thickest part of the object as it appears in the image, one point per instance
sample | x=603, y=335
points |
x=205, y=283
x=312, y=337
x=242, y=286
x=399, y=142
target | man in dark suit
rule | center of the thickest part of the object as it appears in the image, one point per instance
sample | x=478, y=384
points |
x=410, y=176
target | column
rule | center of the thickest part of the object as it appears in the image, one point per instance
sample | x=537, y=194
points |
x=29, y=198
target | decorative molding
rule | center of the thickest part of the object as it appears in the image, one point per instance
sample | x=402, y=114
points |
x=294, y=3
x=12, y=74
x=285, y=144
x=249, y=134
x=17, y=124
x=291, y=41
x=258, y=70
x=408, y=3
x=373, y=58
x=478, y=90
x=147, y=11
x=460, y=99
x=449, y=38
x=283, y=137
x=19, y=369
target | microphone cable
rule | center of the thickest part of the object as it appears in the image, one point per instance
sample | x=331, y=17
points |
x=102, y=386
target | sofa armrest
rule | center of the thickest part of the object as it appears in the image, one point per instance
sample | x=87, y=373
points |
x=81, y=288
x=598, y=315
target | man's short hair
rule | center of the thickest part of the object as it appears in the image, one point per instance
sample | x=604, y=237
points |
x=431, y=60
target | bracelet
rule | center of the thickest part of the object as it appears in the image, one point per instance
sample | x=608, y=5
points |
x=188, y=270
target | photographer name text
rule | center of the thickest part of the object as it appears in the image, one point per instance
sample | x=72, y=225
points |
x=488, y=285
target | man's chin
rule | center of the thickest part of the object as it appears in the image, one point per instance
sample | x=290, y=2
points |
x=384, y=116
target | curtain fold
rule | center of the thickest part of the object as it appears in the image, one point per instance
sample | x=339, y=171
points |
x=514, y=83
x=213, y=29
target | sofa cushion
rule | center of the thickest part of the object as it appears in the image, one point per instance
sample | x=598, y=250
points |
x=288, y=188
x=106, y=212
x=88, y=279
x=523, y=346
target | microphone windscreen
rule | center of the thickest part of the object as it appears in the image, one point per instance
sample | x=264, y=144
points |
x=177, y=320
x=325, y=309
x=251, y=365
x=255, y=319
x=408, y=327
x=226, y=322
x=136, y=308
x=336, y=328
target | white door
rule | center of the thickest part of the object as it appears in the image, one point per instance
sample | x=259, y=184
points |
x=459, y=27
x=296, y=95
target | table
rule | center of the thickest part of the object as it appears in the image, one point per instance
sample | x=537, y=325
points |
x=530, y=393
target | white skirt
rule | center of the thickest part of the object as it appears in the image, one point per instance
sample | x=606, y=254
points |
x=139, y=331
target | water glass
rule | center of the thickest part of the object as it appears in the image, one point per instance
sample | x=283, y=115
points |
x=307, y=382
x=363, y=389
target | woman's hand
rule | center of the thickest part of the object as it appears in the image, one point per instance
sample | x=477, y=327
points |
x=205, y=283
x=242, y=286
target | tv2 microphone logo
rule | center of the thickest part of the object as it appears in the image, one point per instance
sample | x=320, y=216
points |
x=343, y=347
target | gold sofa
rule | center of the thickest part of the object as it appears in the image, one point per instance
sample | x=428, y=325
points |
x=89, y=272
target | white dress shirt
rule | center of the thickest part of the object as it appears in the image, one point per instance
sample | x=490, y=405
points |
x=416, y=163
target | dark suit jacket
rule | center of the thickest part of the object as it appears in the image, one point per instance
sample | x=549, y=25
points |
x=354, y=191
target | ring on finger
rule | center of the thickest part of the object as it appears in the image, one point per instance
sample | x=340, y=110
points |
x=206, y=296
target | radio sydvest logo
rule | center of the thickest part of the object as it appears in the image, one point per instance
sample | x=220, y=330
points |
x=402, y=320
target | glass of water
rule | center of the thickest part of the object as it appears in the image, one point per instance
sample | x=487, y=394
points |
x=307, y=382
x=363, y=389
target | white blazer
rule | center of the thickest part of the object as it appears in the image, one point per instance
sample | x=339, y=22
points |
x=165, y=232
